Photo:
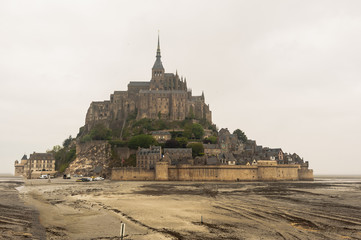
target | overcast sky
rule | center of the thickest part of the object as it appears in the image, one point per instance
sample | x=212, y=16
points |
x=288, y=73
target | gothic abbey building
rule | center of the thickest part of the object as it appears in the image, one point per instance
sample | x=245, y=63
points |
x=165, y=96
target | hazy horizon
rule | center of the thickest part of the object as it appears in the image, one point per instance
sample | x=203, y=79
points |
x=286, y=73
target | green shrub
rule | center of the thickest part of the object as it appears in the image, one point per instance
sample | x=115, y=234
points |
x=197, y=149
x=100, y=132
x=172, y=143
x=143, y=141
x=63, y=157
x=182, y=142
x=85, y=138
x=240, y=135
x=118, y=143
x=211, y=139
x=197, y=131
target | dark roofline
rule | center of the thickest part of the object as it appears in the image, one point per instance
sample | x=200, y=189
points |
x=138, y=83
x=163, y=91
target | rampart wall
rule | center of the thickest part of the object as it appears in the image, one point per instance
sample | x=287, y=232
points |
x=305, y=174
x=261, y=172
x=133, y=173
x=212, y=173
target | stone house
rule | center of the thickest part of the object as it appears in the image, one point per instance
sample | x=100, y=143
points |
x=147, y=157
x=42, y=162
x=250, y=147
x=213, y=160
x=207, y=133
x=21, y=168
x=37, y=164
x=178, y=155
x=292, y=159
x=212, y=149
x=229, y=142
x=227, y=159
x=274, y=154
x=161, y=136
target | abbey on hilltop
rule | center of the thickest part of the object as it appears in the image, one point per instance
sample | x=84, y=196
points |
x=165, y=96
x=156, y=130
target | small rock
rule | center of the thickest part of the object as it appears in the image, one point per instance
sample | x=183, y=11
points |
x=28, y=235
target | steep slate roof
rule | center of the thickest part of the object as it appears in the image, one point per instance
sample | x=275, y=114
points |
x=162, y=91
x=212, y=161
x=138, y=83
x=227, y=156
x=175, y=150
x=158, y=63
x=151, y=150
x=273, y=150
x=41, y=156
x=160, y=133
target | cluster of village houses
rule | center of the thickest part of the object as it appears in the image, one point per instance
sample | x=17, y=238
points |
x=228, y=150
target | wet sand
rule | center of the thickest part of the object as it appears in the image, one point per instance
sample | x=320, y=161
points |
x=17, y=220
x=328, y=208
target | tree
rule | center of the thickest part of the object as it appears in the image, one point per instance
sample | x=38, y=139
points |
x=56, y=148
x=187, y=131
x=197, y=149
x=67, y=141
x=85, y=138
x=100, y=132
x=213, y=127
x=210, y=139
x=240, y=135
x=172, y=143
x=182, y=142
x=194, y=130
x=143, y=141
x=64, y=155
x=197, y=131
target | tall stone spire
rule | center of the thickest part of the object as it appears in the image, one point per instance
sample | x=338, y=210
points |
x=158, y=48
x=158, y=63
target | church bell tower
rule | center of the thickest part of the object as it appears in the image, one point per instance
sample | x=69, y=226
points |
x=157, y=70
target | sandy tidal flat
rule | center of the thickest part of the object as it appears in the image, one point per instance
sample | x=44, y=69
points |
x=324, y=209
x=17, y=220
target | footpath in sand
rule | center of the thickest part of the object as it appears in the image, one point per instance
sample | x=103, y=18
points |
x=188, y=210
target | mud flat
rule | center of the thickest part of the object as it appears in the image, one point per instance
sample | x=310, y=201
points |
x=17, y=220
x=328, y=208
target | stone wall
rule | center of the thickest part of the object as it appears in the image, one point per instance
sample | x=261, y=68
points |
x=305, y=174
x=92, y=159
x=263, y=172
x=212, y=173
x=178, y=155
x=288, y=172
x=133, y=173
x=161, y=171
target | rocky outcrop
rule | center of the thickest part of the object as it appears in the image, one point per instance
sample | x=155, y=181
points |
x=92, y=159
